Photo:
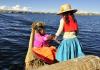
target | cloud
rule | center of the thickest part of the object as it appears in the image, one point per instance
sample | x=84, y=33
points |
x=19, y=8
x=84, y=11
x=2, y=7
x=16, y=7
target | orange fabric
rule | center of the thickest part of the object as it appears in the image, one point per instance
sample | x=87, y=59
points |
x=47, y=54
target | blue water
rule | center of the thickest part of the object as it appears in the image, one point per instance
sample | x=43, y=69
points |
x=15, y=31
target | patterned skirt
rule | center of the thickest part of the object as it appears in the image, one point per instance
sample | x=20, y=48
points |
x=69, y=49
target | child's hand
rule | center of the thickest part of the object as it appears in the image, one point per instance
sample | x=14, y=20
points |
x=51, y=37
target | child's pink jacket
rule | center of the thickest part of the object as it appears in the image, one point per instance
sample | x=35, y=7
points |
x=39, y=40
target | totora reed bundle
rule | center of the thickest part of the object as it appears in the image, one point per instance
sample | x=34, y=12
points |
x=89, y=62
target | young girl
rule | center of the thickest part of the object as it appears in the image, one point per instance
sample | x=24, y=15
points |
x=42, y=48
x=70, y=46
x=39, y=50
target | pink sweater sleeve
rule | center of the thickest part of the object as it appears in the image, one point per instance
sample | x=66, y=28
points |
x=45, y=37
x=40, y=40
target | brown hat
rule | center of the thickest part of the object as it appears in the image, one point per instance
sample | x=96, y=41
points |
x=66, y=8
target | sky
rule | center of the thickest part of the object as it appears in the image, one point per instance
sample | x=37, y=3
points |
x=50, y=5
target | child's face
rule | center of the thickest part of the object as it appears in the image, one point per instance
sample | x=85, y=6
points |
x=42, y=31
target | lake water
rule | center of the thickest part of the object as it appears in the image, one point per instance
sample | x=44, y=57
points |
x=15, y=31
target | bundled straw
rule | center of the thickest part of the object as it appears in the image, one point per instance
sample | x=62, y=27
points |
x=31, y=62
x=89, y=62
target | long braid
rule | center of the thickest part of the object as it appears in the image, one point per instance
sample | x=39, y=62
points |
x=74, y=17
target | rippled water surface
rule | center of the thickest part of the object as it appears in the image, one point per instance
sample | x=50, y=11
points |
x=15, y=31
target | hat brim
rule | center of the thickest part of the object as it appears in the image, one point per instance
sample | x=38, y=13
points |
x=73, y=11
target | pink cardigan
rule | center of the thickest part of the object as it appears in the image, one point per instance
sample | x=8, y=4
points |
x=40, y=41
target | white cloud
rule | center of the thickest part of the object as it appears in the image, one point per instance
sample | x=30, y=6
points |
x=2, y=7
x=16, y=7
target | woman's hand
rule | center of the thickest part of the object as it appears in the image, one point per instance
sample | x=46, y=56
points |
x=55, y=38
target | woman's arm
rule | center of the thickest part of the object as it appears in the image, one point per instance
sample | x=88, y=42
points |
x=60, y=29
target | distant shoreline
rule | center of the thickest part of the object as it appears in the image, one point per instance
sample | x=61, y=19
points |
x=15, y=11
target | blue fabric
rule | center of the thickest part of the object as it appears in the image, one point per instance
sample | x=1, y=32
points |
x=69, y=49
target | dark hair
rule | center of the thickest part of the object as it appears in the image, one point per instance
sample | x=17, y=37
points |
x=66, y=14
x=39, y=28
